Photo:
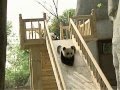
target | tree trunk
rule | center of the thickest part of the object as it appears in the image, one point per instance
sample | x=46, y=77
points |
x=3, y=41
x=112, y=8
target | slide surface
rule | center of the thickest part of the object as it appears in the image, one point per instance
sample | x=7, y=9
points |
x=78, y=76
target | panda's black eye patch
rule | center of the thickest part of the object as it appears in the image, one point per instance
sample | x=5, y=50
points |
x=67, y=53
x=71, y=53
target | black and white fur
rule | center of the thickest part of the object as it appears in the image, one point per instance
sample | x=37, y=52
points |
x=67, y=54
x=54, y=36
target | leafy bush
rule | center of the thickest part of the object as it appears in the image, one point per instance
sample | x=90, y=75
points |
x=17, y=66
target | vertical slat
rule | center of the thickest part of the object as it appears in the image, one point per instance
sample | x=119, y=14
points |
x=39, y=30
x=87, y=29
x=93, y=21
x=29, y=33
x=83, y=27
x=89, y=32
x=32, y=29
x=35, y=32
x=24, y=28
x=44, y=28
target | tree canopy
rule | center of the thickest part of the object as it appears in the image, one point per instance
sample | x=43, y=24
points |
x=54, y=27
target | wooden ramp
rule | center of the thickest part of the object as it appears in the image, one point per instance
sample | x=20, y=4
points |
x=79, y=76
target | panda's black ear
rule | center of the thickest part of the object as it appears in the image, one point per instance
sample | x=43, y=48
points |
x=64, y=48
x=59, y=49
x=73, y=47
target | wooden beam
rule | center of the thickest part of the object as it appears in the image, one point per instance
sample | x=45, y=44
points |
x=33, y=20
x=36, y=69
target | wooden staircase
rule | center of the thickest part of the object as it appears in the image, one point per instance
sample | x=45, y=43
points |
x=33, y=39
x=48, y=78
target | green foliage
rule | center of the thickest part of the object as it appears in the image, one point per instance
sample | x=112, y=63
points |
x=54, y=27
x=66, y=14
x=101, y=5
x=17, y=67
x=9, y=26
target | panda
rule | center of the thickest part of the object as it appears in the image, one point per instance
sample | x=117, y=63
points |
x=67, y=54
x=54, y=36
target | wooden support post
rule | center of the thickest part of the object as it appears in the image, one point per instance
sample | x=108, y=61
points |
x=44, y=15
x=36, y=79
x=39, y=30
x=61, y=31
x=93, y=29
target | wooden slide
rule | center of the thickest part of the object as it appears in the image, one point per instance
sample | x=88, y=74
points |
x=77, y=77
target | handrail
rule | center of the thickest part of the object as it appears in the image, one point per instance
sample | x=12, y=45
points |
x=97, y=72
x=54, y=61
x=82, y=17
x=33, y=20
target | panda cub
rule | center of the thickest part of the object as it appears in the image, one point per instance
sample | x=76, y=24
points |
x=67, y=54
x=54, y=36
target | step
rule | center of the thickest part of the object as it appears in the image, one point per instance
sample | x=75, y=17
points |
x=53, y=87
x=47, y=78
x=49, y=83
x=48, y=72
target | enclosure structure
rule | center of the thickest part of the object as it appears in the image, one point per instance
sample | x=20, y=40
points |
x=47, y=71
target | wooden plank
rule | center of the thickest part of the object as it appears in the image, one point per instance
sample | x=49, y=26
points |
x=36, y=63
x=33, y=20
x=81, y=17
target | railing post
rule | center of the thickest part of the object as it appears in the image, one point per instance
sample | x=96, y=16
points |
x=93, y=23
x=44, y=16
x=40, y=32
x=70, y=29
x=69, y=16
x=22, y=32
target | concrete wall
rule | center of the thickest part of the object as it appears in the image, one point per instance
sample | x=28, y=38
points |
x=93, y=48
x=103, y=24
x=104, y=29
x=84, y=7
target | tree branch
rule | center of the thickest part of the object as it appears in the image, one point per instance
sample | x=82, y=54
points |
x=56, y=7
x=46, y=8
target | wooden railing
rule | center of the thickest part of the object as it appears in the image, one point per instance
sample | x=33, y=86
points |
x=31, y=29
x=64, y=32
x=54, y=61
x=86, y=25
x=97, y=72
